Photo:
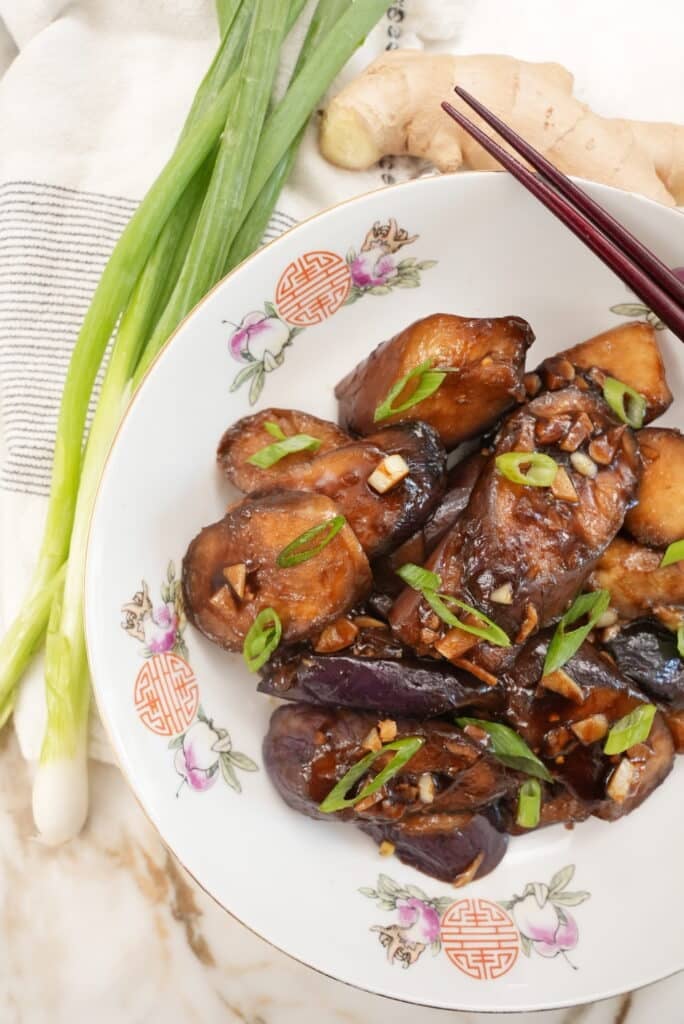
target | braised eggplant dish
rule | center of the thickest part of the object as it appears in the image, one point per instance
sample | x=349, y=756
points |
x=468, y=594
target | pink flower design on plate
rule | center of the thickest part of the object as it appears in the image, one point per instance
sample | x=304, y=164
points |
x=196, y=760
x=369, y=270
x=549, y=933
x=258, y=334
x=160, y=629
x=418, y=921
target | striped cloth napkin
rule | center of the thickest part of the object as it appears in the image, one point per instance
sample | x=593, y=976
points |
x=92, y=96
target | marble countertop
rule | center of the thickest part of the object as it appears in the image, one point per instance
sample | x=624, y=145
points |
x=111, y=929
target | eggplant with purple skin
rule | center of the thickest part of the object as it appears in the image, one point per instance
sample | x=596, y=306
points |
x=647, y=653
x=486, y=360
x=231, y=571
x=565, y=718
x=520, y=553
x=432, y=805
x=390, y=681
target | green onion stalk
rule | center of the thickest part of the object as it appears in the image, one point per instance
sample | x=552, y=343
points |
x=173, y=198
x=108, y=303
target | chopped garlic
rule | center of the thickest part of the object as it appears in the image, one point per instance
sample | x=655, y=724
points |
x=388, y=473
x=388, y=730
x=560, y=682
x=236, y=576
x=621, y=781
x=583, y=464
x=468, y=873
x=386, y=849
x=590, y=729
x=372, y=741
x=222, y=600
x=502, y=594
x=562, y=486
x=426, y=788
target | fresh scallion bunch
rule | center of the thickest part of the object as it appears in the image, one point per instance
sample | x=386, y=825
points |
x=203, y=214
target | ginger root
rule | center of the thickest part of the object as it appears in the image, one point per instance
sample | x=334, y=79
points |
x=393, y=108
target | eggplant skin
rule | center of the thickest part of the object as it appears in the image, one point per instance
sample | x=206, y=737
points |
x=647, y=653
x=248, y=435
x=544, y=718
x=253, y=532
x=541, y=546
x=461, y=479
x=488, y=353
x=446, y=847
x=658, y=517
x=380, y=521
x=307, y=749
x=408, y=687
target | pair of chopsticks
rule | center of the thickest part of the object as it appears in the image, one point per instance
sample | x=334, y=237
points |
x=638, y=267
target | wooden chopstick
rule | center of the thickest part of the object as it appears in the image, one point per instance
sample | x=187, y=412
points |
x=646, y=281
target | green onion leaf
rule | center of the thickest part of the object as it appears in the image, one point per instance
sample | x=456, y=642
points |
x=272, y=453
x=297, y=550
x=429, y=381
x=680, y=641
x=274, y=430
x=427, y=583
x=674, y=553
x=627, y=404
x=563, y=643
x=262, y=639
x=541, y=471
x=633, y=728
x=336, y=800
x=419, y=578
x=490, y=631
x=529, y=804
x=509, y=748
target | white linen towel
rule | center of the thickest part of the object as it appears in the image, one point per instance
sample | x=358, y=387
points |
x=92, y=96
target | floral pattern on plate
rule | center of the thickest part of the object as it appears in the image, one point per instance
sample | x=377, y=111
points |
x=261, y=339
x=639, y=311
x=540, y=915
x=159, y=628
x=205, y=751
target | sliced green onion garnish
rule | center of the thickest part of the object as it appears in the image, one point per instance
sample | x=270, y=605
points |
x=540, y=469
x=674, y=553
x=272, y=453
x=529, y=804
x=680, y=641
x=262, y=639
x=274, y=430
x=336, y=800
x=633, y=728
x=627, y=404
x=490, y=631
x=429, y=381
x=509, y=748
x=419, y=578
x=298, y=551
x=563, y=643
x=427, y=583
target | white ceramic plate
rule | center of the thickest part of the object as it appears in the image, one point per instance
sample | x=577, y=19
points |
x=184, y=717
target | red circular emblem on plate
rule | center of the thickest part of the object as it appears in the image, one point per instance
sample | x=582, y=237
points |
x=166, y=694
x=480, y=938
x=312, y=288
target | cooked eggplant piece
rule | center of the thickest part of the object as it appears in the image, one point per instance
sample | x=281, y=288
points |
x=628, y=352
x=658, y=517
x=230, y=572
x=308, y=749
x=647, y=653
x=380, y=518
x=460, y=482
x=456, y=848
x=375, y=673
x=568, y=729
x=518, y=553
x=489, y=355
x=250, y=434
x=638, y=586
